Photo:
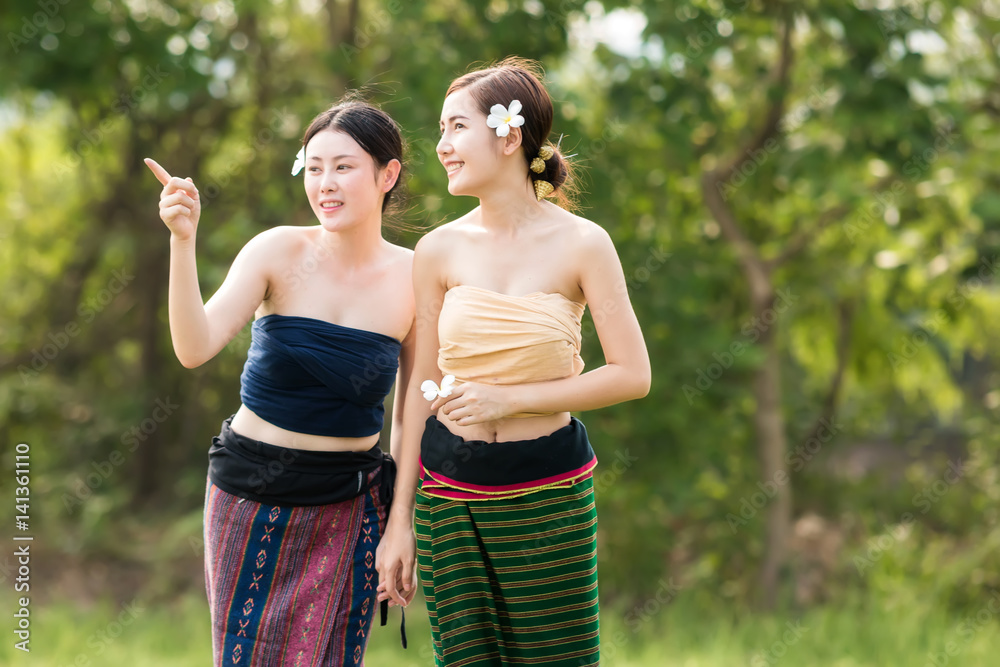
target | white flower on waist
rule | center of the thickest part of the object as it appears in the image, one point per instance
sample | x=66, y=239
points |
x=504, y=119
x=432, y=391
x=300, y=161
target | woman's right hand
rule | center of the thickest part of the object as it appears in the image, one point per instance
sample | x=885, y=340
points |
x=180, y=205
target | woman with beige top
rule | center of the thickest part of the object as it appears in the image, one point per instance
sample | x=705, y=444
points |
x=494, y=468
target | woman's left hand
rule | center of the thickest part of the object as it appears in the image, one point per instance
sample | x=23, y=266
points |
x=472, y=403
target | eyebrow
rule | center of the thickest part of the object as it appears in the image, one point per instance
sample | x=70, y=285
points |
x=339, y=157
x=456, y=118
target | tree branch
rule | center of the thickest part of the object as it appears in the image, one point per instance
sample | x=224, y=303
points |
x=800, y=239
x=845, y=320
x=989, y=107
x=769, y=129
x=747, y=253
x=803, y=237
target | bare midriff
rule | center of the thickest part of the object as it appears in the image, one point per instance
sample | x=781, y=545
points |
x=508, y=430
x=248, y=424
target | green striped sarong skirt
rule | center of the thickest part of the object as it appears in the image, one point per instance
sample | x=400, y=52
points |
x=506, y=548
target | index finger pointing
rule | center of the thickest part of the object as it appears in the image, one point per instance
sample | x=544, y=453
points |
x=161, y=174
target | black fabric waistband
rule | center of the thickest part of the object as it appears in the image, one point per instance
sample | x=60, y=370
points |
x=283, y=476
x=499, y=463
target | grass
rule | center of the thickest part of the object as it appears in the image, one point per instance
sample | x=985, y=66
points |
x=678, y=635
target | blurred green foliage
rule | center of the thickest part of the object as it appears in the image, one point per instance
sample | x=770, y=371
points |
x=858, y=634
x=890, y=117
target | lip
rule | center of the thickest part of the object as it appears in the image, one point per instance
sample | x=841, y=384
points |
x=449, y=163
x=330, y=201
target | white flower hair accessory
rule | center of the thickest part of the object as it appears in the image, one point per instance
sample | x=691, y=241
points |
x=432, y=391
x=504, y=119
x=300, y=161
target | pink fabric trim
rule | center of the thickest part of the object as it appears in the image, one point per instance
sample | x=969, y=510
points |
x=545, y=481
x=445, y=487
x=451, y=494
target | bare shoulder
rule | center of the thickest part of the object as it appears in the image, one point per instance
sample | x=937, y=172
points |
x=440, y=240
x=399, y=253
x=399, y=258
x=582, y=235
x=278, y=242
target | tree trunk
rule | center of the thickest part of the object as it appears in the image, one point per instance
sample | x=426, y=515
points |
x=342, y=29
x=769, y=424
x=150, y=267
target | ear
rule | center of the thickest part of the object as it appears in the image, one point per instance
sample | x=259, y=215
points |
x=512, y=142
x=390, y=173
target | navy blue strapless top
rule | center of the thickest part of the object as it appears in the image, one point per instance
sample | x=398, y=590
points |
x=316, y=377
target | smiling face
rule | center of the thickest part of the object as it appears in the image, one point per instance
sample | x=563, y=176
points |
x=469, y=149
x=342, y=181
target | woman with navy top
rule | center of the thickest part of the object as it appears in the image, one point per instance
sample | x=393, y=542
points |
x=298, y=487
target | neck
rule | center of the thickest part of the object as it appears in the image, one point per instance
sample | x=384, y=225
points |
x=510, y=207
x=355, y=246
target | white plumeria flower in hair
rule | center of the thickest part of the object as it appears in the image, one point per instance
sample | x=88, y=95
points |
x=300, y=161
x=432, y=391
x=504, y=119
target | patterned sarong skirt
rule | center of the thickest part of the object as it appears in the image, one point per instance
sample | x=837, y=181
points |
x=506, y=548
x=291, y=584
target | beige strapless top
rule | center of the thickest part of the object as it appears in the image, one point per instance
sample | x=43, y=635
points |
x=494, y=338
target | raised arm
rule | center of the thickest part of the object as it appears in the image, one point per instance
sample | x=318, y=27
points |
x=199, y=330
x=624, y=377
x=396, y=557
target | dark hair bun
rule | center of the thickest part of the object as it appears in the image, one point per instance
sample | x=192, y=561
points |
x=556, y=172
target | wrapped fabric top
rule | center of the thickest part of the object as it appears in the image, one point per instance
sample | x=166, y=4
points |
x=494, y=338
x=311, y=376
